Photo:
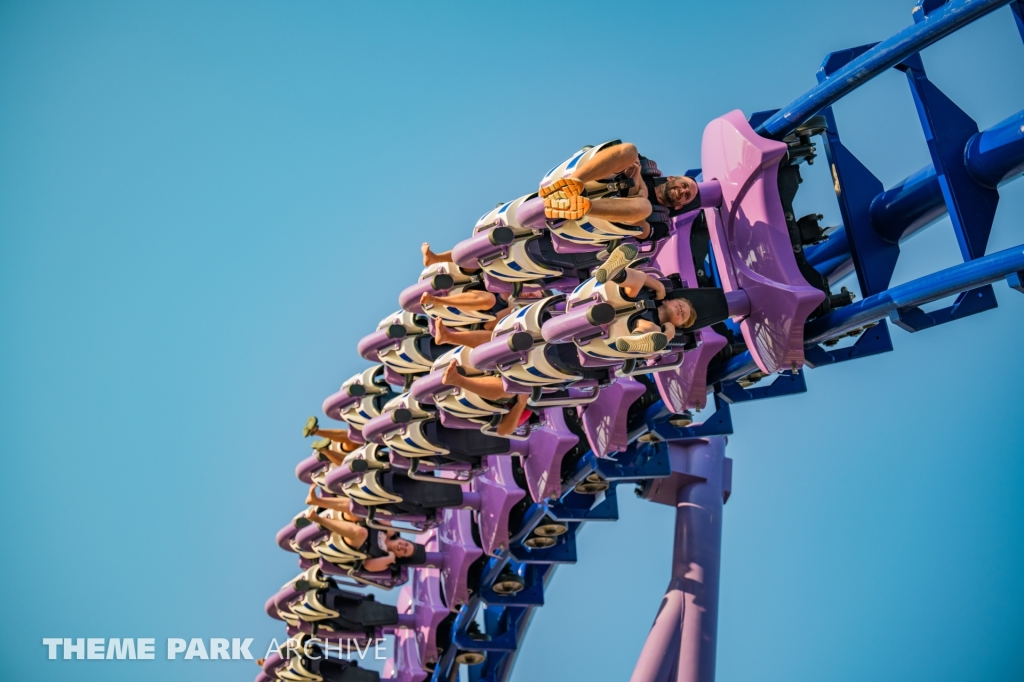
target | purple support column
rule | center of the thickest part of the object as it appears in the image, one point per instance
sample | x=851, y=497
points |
x=681, y=644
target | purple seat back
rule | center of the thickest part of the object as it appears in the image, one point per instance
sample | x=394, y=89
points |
x=530, y=214
x=407, y=666
x=270, y=606
x=409, y=299
x=460, y=551
x=685, y=387
x=429, y=610
x=498, y=493
x=378, y=427
x=468, y=252
x=604, y=420
x=583, y=319
x=335, y=403
x=548, y=445
x=498, y=351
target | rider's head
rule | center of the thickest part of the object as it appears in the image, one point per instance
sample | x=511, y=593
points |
x=678, y=312
x=407, y=553
x=677, y=191
x=401, y=547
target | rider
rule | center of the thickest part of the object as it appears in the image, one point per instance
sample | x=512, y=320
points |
x=382, y=548
x=566, y=197
x=651, y=329
x=491, y=388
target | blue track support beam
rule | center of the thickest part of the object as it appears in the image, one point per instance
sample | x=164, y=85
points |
x=967, y=303
x=1018, y=16
x=579, y=507
x=1016, y=281
x=954, y=280
x=503, y=621
x=787, y=383
x=872, y=341
x=490, y=670
x=736, y=367
x=949, y=131
x=659, y=421
x=993, y=157
x=908, y=206
x=934, y=26
x=562, y=552
x=856, y=187
x=532, y=593
x=645, y=460
x=996, y=155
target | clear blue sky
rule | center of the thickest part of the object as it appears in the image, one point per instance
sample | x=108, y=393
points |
x=203, y=206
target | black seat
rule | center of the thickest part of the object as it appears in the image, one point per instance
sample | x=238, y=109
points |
x=464, y=444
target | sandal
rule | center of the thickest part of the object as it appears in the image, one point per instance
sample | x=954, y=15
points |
x=311, y=427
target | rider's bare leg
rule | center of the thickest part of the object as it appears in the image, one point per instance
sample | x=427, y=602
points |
x=608, y=162
x=430, y=258
x=628, y=210
x=487, y=387
x=467, y=300
x=510, y=421
x=471, y=339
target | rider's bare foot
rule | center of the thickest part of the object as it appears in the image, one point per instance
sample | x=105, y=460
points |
x=429, y=257
x=451, y=374
x=426, y=300
x=442, y=335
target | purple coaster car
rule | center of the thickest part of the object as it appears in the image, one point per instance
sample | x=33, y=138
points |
x=751, y=241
